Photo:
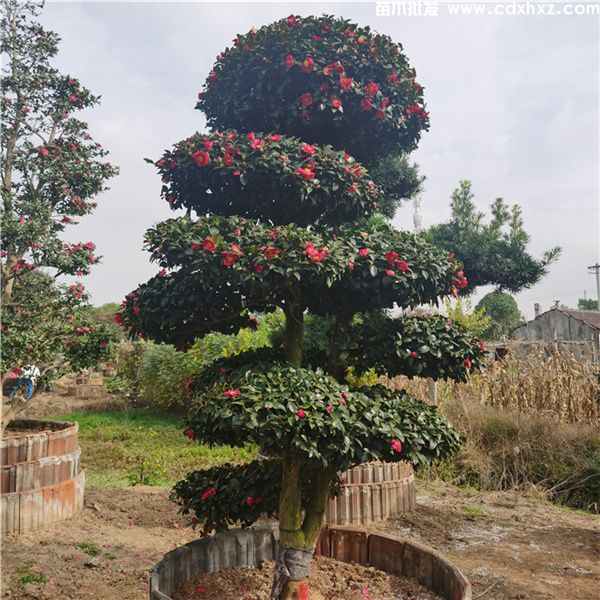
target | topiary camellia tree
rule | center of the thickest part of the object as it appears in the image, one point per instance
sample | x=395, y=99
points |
x=283, y=222
x=52, y=172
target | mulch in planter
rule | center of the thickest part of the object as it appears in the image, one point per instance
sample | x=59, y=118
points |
x=333, y=579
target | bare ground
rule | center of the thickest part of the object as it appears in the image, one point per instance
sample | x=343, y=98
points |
x=511, y=547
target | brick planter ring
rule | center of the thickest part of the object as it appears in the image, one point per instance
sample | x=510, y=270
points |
x=372, y=492
x=40, y=477
x=249, y=547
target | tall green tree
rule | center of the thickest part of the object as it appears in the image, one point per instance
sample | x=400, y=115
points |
x=495, y=252
x=52, y=172
x=286, y=218
x=587, y=304
x=504, y=314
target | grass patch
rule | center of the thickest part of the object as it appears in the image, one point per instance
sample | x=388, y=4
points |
x=138, y=446
x=475, y=511
x=25, y=574
x=90, y=548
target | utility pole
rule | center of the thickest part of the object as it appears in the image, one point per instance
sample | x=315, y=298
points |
x=595, y=269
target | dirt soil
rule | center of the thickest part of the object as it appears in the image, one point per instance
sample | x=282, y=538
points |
x=511, y=547
x=57, y=402
x=329, y=579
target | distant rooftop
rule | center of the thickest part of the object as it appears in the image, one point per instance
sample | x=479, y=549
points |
x=589, y=317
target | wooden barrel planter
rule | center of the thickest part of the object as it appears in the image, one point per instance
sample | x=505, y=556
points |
x=249, y=547
x=372, y=492
x=41, y=481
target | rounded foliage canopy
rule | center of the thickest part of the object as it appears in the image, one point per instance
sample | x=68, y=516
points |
x=269, y=177
x=224, y=266
x=323, y=79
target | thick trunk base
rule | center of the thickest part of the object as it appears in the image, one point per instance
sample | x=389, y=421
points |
x=299, y=590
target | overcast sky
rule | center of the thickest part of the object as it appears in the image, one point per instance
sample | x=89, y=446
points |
x=514, y=107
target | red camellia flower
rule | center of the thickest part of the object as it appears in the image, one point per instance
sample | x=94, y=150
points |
x=336, y=103
x=462, y=283
x=228, y=160
x=346, y=83
x=345, y=395
x=196, y=247
x=365, y=103
x=455, y=292
x=231, y=393
x=363, y=252
x=269, y=252
x=306, y=99
x=305, y=173
x=301, y=414
x=329, y=408
x=402, y=266
x=189, y=433
x=334, y=67
x=389, y=272
x=380, y=114
x=211, y=492
x=393, y=77
x=209, y=244
x=258, y=268
x=482, y=345
x=162, y=273
x=351, y=265
x=230, y=258
x=207, y=144
x=291, y=20
x=308, y=149
x=289, y=61
x=257, y=143
x=371, y=89
x=467, y=363
x=202, y=159
x=352, y=189
x=250, y=501
x=418, y=111
x=396, y=446
x=308, y=64
x=391, y=257
x=274, y=137
x=413, y=354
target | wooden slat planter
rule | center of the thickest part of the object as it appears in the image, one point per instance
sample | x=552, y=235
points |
x=40, y=477
x=372, y=492
x=249, y=547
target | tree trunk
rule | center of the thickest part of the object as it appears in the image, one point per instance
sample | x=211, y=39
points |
x=298, y=535
x=295, y=590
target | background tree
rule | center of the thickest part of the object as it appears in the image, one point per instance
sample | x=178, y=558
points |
x=52, y=172
x=493, y=253
x=503, y=311
x=587, y=304
x=286, y=222
x=474, y=320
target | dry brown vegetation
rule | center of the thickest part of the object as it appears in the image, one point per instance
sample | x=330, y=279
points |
x=550, y=384
x=531, y=424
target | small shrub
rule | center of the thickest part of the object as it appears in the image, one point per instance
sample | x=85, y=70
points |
x=475, y=511
x=26, y=574
x=148, y=471
x=90, y=548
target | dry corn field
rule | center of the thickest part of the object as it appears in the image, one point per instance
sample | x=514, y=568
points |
x=549, y=384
